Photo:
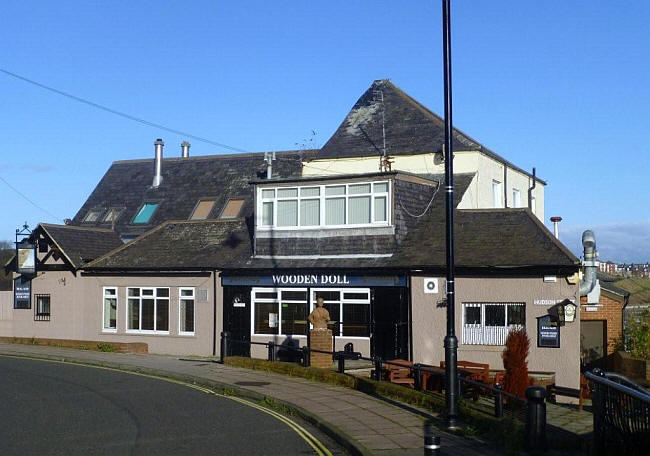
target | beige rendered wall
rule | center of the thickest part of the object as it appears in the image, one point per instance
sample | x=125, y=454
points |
x=477, y=196
x=76, y=312
x=6, y=313
x=429, y=323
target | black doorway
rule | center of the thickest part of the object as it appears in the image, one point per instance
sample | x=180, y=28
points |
x=390, y=323
x=237, y=319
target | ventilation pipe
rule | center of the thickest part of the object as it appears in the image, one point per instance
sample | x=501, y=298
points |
x=157, y=163
x=589, y=264
x=185, y=149
x=556, y=226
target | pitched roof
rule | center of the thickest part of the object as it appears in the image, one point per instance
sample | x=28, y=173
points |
x=127, y=185
x=81, y=244
x=638, y=287
x=6, y=276
x=410, y=128
x=179, y=245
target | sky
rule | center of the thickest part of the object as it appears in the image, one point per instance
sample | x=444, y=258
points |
x=561, y=86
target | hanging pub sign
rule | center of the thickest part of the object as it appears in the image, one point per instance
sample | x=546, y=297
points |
x=25, y=257
x=22, y=293
x=548, y=332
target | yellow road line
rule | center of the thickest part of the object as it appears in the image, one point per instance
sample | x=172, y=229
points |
x=319, y=448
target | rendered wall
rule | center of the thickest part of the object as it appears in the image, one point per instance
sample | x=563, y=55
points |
x=429, y=323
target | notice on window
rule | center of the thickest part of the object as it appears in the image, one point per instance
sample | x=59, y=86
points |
x=273, y=320
x=548, y=333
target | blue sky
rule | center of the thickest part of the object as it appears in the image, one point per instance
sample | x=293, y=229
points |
x=562, y=86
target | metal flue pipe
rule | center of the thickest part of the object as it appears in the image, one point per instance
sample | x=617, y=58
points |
x=157, y=162
x=590, y=264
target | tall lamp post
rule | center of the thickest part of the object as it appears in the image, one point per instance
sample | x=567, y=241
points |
x=451, y=342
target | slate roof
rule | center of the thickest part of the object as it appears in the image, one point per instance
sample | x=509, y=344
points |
x=127, y=185
x=6, y=278
x=410, y=128
x=81, y=244
x=179, y=245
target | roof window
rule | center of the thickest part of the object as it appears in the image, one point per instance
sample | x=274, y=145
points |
x=111, y=215
x=93, y=215
x=232, y=209
x=145, y=213
x=202, y=210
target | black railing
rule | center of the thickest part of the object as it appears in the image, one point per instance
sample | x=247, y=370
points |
x=621, y=415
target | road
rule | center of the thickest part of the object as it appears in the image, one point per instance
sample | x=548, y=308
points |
x=56, y=408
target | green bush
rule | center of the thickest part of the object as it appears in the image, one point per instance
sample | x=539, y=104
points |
x=637, y=336
x=105, y=347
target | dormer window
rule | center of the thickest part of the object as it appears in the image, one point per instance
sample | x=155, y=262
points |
x=145, y=213
x=325, y=206
x=93, y=215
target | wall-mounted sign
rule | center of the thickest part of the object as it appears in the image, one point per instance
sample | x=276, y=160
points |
x=550, y=302
x=273, y=320
x=237, y=302
x=26, y=258
x=312, y=279
x=548, y=332
x=22, y=293
x=569, y=312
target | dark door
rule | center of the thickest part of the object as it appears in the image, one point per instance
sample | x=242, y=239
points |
x=237, y=319
x=593, y=342
x=390, y=323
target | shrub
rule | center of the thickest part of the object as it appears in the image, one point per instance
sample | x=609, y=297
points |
x=637, y=336
x=514, y=361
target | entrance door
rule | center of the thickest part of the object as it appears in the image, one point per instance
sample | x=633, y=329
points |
x=237, y=319
x=593, y=342
x=390, y=323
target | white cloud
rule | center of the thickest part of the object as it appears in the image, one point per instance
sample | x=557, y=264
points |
x=627, y=242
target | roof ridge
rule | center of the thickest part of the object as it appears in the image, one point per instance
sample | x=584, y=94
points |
x=548, y=234
x=77, y=227
x=217, y=156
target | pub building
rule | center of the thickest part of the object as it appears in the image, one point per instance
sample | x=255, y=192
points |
x=171, y=252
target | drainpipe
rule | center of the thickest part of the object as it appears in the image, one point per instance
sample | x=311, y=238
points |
x=505, y=185
x=590, y=264
x=530, y=191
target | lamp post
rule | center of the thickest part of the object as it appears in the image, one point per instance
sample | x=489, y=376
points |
x=451, y=342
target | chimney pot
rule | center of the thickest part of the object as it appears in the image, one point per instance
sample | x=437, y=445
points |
x=185, y=149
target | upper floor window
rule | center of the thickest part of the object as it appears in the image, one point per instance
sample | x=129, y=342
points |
x=516, y=198
x=533, y=205
x=496, y=194
x=337, y=205
x=93, y=215
x=144, y=214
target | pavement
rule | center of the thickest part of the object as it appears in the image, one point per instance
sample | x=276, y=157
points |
x=361, y=423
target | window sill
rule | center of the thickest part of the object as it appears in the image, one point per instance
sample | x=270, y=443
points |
x=147, y=332
x=323, y=231
x=109, y=331
x=186, y=334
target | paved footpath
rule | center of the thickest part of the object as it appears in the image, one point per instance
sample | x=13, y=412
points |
x=366, y=424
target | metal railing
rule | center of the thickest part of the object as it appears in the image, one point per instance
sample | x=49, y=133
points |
x=621, y=415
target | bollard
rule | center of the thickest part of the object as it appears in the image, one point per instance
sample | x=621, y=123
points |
x=535, y=437
x=417, y=375
x=341, y=359
x=378, y=369
x=224, y=346
x=498, y=400
x=431, y=441
x=271, y=348
x=305, y=356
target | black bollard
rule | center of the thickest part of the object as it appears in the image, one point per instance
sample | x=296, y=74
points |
x=417, y=375
x=224, y=346
x=271, y=348
x=535, y=438
x=305, y=356
x=378, y=369
x=341, y=359
x=498, y=400
x=431, y=441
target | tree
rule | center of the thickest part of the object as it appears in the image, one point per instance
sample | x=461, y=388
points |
x=6, y=245
x=637, y=336
x=514, y=362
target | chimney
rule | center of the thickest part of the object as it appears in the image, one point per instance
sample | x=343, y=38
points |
x=556, y=230
x=157, y=163
x=185, y=149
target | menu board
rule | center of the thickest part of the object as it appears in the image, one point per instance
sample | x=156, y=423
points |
x=22, y=293
x=548, y=332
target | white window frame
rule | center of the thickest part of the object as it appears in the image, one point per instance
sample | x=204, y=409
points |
x=322, y=198
x=180, y=299
x=104, y=297
x=277, y=300
x=516, y=197
x=480, y=333
x=342, y=300
x=497, y=196
x=155, y=310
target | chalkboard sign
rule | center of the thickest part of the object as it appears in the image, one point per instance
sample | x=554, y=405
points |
x=22, y=293
x=548, y=332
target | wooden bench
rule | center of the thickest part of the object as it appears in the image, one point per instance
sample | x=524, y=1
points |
x=478, y=372
x=399, y=371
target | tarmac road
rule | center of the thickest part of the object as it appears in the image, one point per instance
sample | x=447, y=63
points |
x=55, y=408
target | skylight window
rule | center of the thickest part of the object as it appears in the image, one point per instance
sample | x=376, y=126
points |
x=145, y=213
x=232, y=209
x=93, y=215
x=111, y=215
x=202, y=210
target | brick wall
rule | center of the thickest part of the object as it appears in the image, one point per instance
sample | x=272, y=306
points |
x=610, y=310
